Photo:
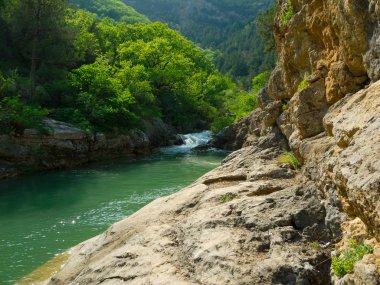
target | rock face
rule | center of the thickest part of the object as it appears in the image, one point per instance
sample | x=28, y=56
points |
x=67, y=146
x=348, y=155
x=327, y=40
x=252, y=220
x=246, y=132
x=333, y=124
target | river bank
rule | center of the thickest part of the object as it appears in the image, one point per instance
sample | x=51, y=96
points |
x=46, y=213
x=64, y=146
x=229, y=227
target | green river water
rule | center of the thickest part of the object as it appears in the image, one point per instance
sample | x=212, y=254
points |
x=44, y=214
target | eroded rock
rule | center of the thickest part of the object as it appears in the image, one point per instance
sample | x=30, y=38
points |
x=260, y=236
x=348, y=159
x=63, y=145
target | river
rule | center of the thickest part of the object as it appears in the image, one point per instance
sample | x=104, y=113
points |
x=44, y=214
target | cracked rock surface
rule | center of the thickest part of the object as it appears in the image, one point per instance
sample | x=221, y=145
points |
x=261, y=235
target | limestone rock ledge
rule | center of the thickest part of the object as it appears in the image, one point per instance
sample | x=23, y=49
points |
x=64, y=145
x=262, y=234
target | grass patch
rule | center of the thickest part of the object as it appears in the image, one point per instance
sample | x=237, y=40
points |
x=227, y=197
x=304, y=83
x=343, y=264
x=287, y=13
x=291, y=159
x=314, y=244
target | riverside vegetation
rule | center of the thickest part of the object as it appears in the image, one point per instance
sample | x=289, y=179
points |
x=107, y=71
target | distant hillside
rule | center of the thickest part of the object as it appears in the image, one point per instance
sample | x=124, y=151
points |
x=224, y=25
x=114, y=9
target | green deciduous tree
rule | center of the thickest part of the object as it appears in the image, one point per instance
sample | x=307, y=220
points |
x=101, y=98
x=39, y=32
x=117, y=74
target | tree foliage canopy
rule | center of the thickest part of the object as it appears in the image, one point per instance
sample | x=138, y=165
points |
x=114, y=9
x=108, y=75
x=227, y=28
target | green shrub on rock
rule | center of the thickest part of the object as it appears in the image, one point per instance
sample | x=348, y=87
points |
x=291, y=159
x=15, y=116
x=343, y=264
x=303, y=84
x=227, y=197
x=287, y=13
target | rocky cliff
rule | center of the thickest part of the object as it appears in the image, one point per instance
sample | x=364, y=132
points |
x=254, y=220
x=63, y=145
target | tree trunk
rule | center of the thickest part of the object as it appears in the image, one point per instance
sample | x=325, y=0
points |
x=33, y=69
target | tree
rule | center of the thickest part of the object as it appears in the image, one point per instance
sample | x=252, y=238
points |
x=264, y=24
x=40, y=34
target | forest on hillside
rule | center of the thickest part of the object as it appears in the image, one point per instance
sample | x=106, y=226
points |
x=226, y=27
x=113, y=9
x=106, y=71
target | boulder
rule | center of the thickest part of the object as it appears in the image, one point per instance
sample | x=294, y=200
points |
x=62, y=131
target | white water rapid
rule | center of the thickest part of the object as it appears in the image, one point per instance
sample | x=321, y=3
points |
x=190, y=141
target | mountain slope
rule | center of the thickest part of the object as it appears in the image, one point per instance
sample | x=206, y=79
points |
x=207, y=22
x=114, y=9
x=219, y=25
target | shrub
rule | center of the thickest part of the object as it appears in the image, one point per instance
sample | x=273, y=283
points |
x=291, y=159
x=286, y=13
x=314, y=244
x=304, y=83
x=75, y=117
x=15, y=116
x=227, y=197
x=220, y=123
x=238, y=103
x=260, y=81
x=345, y=263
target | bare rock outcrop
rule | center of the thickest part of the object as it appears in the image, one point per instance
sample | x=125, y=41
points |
x=326, y=40
x=332, y=122
x=348, y=156
x=250, y=221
